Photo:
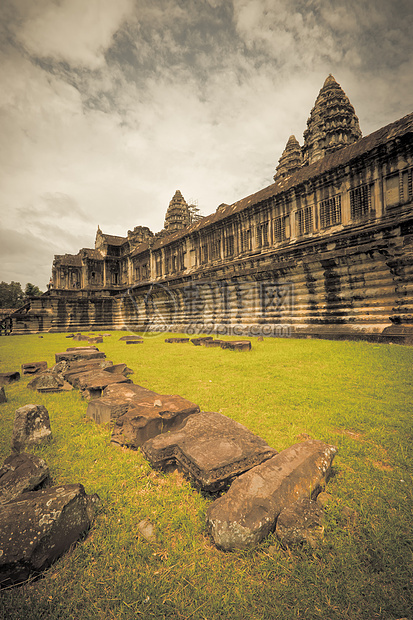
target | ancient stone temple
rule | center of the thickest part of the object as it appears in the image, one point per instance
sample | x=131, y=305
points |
x=324, y=251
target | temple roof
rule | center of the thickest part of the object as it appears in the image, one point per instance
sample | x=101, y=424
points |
x=291, y=159
x=114, y=239
x=342, y=157
x=70, y=260
x=177, y=215
x=92, y=253
x=332, y=125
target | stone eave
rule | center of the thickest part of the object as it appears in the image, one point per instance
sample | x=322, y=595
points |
x=140, y=249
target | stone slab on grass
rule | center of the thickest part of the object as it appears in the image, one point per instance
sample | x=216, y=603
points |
x=31, y=427
x=131, y=338
x=71, y=356
x=248, y=512
x=80, y=337
x=85, y=348
x=210, y=449
x=198, y=341
x=95, y=339
x=49, y=381
x=31, y=368
x=39, y=526
x=302, y=522
x=119, y=369
x=176, y=340
x=9, y=377
x=93, y=383
x=116, y=400
x=236, y=345
x=20, y=473
x=150, y=417
x=69, y=370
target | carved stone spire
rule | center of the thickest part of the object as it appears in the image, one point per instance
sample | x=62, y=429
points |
x=332, y=123
x=290, y=161
x=177, y=215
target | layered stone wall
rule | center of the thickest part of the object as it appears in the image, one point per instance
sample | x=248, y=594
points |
x=354, y=284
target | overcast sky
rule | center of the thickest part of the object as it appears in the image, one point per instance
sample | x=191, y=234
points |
x=107, y=107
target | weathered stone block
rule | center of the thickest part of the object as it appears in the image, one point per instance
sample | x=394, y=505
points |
x=116, y=400
x=133, y=341
x=131, y=338
x=39, y=526
x=80, y=337
x=95, y=339
x=3, y=398
x=198, y=341
x=49, y=382
x=83, y=349
x=119, y=369
x=32, y=368
x=301, y=522
x=128, y=391
x=150, y=417
x=247, y=513
x=20, y=473
x=31, y=427
x=9, y=377
x=210, y=449
x=176, y=340
x=93, y=383
x=70, y=356
x=236, y=345
x=69, y=370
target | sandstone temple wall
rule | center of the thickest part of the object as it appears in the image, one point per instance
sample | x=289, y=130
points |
x=325, y=251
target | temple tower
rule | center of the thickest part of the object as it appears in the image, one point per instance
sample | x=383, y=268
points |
x=332, y=123
x=290, y=161
x=177, y=215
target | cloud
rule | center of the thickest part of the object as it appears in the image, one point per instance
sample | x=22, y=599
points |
x=72, y=31
x=107, y=108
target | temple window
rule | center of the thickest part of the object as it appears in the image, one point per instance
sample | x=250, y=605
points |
x=330, y=211
x=229, y=245
x=262, y=234
x=245, y=240
x=392, y=190
x=158, y=265
x=204, y=253
x=278, y=226
x=304, y=221
x=398, y=188
x=360, y=201
x=215, y=248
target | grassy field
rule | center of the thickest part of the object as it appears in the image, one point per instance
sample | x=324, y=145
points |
x=357, y=396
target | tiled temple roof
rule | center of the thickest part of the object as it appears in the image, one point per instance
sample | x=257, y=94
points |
x=93, y=254
x=70, y=260
x=142, y=247
x=114, y=239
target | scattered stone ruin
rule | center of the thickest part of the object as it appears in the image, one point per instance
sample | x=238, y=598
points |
x=324, y=251
x=255, y=489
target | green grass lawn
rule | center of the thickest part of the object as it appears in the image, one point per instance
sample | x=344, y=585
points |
x=357, y=396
